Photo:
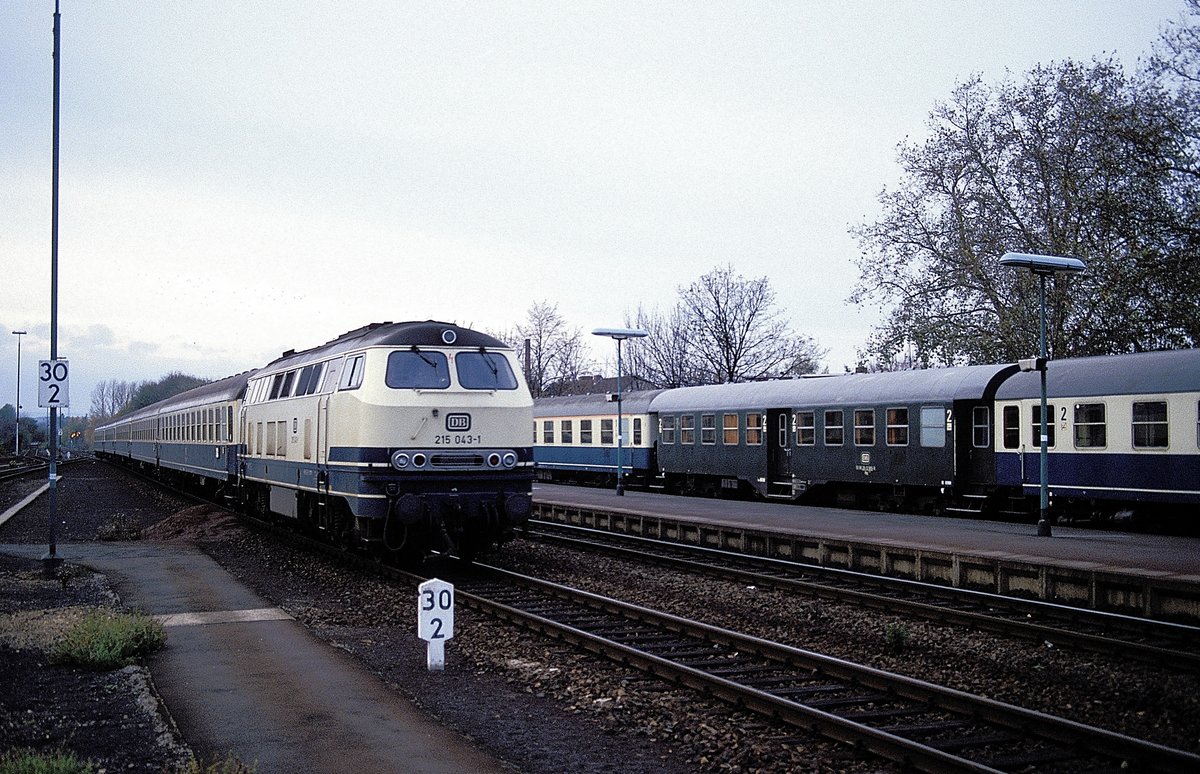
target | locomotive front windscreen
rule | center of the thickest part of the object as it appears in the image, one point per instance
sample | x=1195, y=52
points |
x=417, y=370
x=484, y=371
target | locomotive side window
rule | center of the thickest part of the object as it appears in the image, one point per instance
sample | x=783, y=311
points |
x=548, y=431
x=585, y=431
x=864, y=427
x=730, y=429
x=484, y=371
x=708, y=429
x=835, y=428
x=981, y=427
x=897, y=426
x=1150, y=424
x=1011, y=427
x=352, y=373
x=754, y=429
x=666, y=429
x=806, y=428
x=687, y=429
x=1090, y=429
x=568, y=431
x=303, y=380
x=288, y=380
x=276, y=384
x=1037, y=425
x=606, y=432
x=411, y=370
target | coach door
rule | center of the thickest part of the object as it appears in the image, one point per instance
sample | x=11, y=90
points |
x=779, y=453
x=974, y=456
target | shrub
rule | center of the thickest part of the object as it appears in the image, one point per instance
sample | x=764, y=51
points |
x=106, y=640
x=30, y=762
x=896, y=637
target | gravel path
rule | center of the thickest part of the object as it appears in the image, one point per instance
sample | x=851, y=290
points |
x=543, y=708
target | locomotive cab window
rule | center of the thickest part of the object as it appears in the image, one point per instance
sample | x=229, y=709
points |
x=414, y=370
x=1150, y=424
x=352, y=373
x=484, y=371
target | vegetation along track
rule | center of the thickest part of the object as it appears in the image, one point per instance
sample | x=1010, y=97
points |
x=910, y=721
x=1163, y=643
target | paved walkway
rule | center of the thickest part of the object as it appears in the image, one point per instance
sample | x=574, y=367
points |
x=242, y=677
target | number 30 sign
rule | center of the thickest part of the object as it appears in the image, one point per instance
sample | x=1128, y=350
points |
x=54, y=381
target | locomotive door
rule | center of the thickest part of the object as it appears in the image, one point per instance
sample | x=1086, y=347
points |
x=779, y=453
x=322, y=429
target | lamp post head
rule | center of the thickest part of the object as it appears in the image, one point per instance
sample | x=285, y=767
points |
x=1043, y=264
x=19, y=333
x=620, y=334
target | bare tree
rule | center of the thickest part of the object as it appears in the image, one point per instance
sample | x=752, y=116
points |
x=664, y=358
x=556, y=355
x=737, y=334
x=112, y=397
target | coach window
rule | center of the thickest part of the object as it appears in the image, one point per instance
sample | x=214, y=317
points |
x=1036, y=415
x=981, y=427
x=666, y=429
x=687, y=429
x=548, y=431
x=897, y=426
x=1150, y=424
x=585, y=431
x=352, y=373
x=933, y=426
x=1010, y=427
x=637, y=431
x=730, y=429
x=708, y=429
x=864, y=427
x=568, y=431
x=835, y=428
x=806, y=428
x=754, y=429
x=413, y=370
x=1090, y=430
x=606, y=432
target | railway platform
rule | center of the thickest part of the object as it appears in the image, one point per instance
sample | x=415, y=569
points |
x=1138, y=574
x=242, y=677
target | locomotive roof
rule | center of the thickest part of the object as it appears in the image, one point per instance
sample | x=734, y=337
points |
x=593, y=404
x=1139, y=373
x=934, y=384
x=227, y=389
x=428, y=333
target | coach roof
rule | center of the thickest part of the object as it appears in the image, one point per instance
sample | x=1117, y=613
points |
x=1141, y=373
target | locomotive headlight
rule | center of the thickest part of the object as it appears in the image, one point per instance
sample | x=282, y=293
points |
x=419, y=460
x=493, y=460
x=510, y=459
x=400, y=460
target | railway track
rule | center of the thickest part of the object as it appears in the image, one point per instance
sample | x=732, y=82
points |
x=1158, y=642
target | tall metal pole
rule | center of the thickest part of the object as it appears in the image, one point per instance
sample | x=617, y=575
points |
x=620, y=431
x=51, y=558
x=17, y=433
x=1043, y=525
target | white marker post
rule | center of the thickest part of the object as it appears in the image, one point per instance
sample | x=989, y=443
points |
x=435, y=620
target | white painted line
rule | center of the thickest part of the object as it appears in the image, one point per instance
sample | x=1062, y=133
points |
x=223, y=616
x=13, y=511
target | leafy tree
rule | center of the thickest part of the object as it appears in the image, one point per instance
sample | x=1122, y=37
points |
x=1075, y=160
x=735, y=332
x=170, y=385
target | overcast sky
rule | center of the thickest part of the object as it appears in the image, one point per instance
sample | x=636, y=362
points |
x=240, y=178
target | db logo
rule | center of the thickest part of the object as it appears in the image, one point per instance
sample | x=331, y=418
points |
x=458, y=423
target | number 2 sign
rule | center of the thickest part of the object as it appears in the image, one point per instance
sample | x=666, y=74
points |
x=54, y=384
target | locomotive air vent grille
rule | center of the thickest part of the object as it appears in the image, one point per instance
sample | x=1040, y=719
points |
x=456, y=460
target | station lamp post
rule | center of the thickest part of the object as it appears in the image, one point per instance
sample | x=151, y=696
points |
x=619, y=334
x=1043, y=266
x=17, y=433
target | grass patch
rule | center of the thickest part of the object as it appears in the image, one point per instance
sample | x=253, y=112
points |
x=896, y=636
x=227, y=765
x=30, y=762
x=106, y=640
x=122, y=526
